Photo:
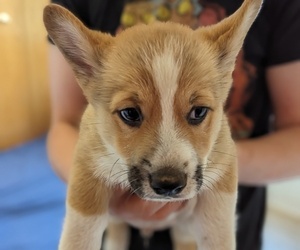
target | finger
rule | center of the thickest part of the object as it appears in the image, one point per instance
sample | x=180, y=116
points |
x=127, y=205
x=131, y=207
x=167, y=209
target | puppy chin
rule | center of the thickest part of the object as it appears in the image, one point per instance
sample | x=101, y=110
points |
x=151, y=196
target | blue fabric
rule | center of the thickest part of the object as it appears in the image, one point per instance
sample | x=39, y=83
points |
x=32, y=199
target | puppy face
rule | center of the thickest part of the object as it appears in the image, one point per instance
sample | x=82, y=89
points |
x=165, y=112
x=157, y=94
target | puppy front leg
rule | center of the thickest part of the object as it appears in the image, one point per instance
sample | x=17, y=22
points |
x=117, y=235
x=82, y=232
x=182, y=238
x=86, y=213
x=214, y=221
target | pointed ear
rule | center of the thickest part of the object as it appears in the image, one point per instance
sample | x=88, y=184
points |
x=83, y=48
x=227, y=37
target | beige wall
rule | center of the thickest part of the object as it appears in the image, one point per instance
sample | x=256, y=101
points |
x=24, y=98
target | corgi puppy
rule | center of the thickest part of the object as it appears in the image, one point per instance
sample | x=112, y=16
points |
x=155, y=125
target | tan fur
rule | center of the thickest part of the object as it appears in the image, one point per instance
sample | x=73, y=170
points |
x=87, y=194
x=186, y=246
x=164, y=70
x=84, y=187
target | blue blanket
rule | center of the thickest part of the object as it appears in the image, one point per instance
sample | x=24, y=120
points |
x=31, y=199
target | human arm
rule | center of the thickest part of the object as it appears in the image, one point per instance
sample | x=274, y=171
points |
x=275, y=156
x=67, y=105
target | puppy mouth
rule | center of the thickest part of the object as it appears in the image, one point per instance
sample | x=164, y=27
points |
x=165, y=184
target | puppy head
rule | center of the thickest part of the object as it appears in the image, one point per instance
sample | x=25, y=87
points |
x=158, y=94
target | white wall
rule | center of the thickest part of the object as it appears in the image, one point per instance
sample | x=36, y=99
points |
x=284, y=198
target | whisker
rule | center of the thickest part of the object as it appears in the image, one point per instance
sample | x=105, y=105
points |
x=210, y=181
x=119, y=176
x=208, y=187
x=132, y=192
x=105, y=155
x=224, y=153
x=122, y=171
x=214, y=168
x=94, y=123
x=214, y=189
x=218, y=163
x=113, y=167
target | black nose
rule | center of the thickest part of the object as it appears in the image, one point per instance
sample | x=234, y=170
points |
x=167, y=181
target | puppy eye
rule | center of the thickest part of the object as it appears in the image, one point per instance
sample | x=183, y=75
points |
x=197, y=115
x=131, y=116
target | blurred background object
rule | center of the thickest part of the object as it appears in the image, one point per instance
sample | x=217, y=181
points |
x=32, y=199
x=283, y=216
x=181, y=11
x=31, y=196
x=24, y=97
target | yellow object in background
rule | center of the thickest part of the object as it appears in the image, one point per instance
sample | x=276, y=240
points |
x=128, y=19
x=148, y=17
x=163, y=13
x=181, y=11
x=185, y=7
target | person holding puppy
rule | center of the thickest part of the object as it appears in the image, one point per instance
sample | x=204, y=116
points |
x=263, y=107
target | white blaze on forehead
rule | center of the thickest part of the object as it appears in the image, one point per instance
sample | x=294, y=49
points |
x=172, y=147
x=165, y=73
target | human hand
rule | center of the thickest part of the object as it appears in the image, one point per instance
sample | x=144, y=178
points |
x=131, y=208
